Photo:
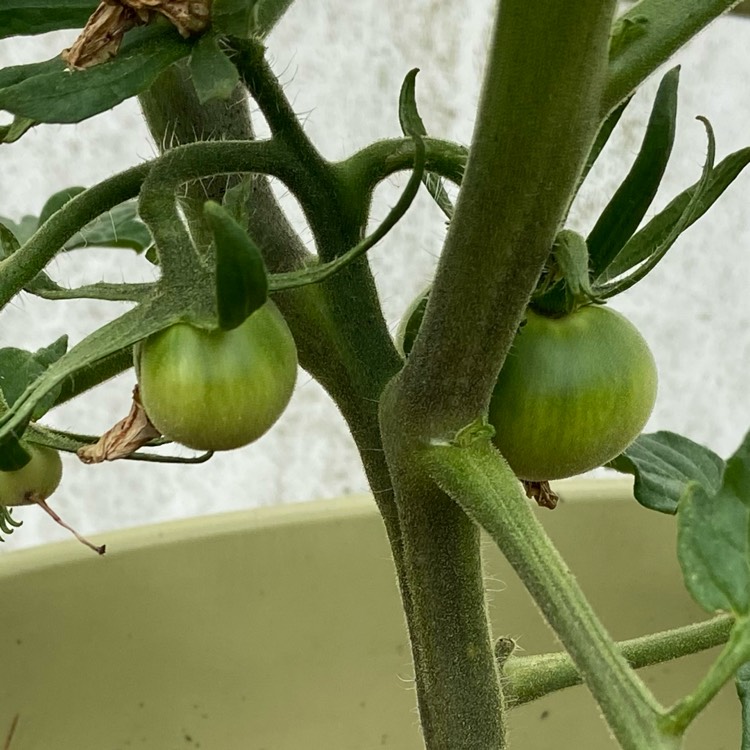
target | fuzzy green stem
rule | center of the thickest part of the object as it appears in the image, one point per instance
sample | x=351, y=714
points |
x=474, y=474
x=647, y=36
x=528, y=678
x=17, y=270
x=538, y=116
x=732, y=657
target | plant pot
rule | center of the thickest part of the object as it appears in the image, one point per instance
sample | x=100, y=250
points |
x=281, y=629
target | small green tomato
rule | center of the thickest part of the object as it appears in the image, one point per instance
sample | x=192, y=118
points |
x=34, y=482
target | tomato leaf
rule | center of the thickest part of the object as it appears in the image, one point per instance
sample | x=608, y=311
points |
x=663, y=464
x=642, y=244
x=20, y=231
x=19, y=369
x=411, y=124
x=24, y=17
x=713, y=542
x=119, y=227
x=629, y=204
x=57, y=201
x=49, y=92
x=11, y=133
x=742, y=682
x=213, y=73
x=241, y=278
x=235, y=18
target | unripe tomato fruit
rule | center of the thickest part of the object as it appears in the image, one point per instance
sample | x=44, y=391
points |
x=218, y=390
x=573, y=393
x=35, y=481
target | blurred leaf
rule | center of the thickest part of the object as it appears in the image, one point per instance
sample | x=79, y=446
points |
x=411, y=124
x=237, y=200
x=57, y=201
x=663, y=464
x=11, y=133
x=19, y=369
x=238, y=18
x=642, y=244
x=49, y=92
x=742, y=681
x=119, y=227
x=22, y=17
x=21, y=231
x=713, y=543
x=212, y=72
x=241, y=278
x=632, y=199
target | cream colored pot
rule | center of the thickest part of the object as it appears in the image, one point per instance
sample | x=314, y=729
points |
x=281, y=629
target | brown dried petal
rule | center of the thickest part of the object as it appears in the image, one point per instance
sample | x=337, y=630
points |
x=544, y=495
x=101, y=37
x=189, y=16
x=126, y=437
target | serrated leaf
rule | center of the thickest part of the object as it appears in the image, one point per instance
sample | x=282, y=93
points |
x=241, y=278
x=11, y=133
x=642, y=244
x=119, y=227
x=49, y=92
x=24, y=17
x=742, y=682
x=629, y=204
x=411, y=124
x=713, y=542
x=663, y=464
x=212, y=72
x=235, y=18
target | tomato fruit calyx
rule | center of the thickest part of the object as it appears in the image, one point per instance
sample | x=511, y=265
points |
x=573, y=393
x=218, y=390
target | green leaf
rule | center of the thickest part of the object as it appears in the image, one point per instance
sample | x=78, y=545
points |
x=57, y=201
x=713, y=543
x=629, y=204
x=213, y=73
x=238, y=18
x=602, y=137
x=49, y=92
x=119, y=227
x=742, y=682
x=20, y=231
x=411, y=124
x=642, y=244
x=11, y=133
x=23, y=17
x=13, y=456
x=663, y=464
x=19, y=369
x=241, y=278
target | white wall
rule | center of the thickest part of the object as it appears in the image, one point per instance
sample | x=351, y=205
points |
x=343, y=64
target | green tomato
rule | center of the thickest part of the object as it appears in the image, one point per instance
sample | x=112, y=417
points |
x=573, y=393
x=218, y=390
x=35, y=481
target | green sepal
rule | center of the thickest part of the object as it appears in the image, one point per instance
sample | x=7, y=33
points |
x=241, y=277
x=602, y=137
x=628, y=206
x=26, y=17
x=713, y=543
x=49, y=92
x=566, y=276
x=213, y=74
x=663, y=464
x=408, y=329
x=642, y=244
x=411, y=124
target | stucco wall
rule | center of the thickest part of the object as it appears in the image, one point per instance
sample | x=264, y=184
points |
x=342, y=64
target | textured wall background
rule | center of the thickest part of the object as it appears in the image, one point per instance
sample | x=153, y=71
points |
x=343, y=64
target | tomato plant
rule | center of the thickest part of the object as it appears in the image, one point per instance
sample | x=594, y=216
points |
x=218, y=390
x=573, y=393
x=34, y=482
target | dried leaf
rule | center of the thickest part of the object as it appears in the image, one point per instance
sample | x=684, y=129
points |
x=542, y=493
x=126, y=437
